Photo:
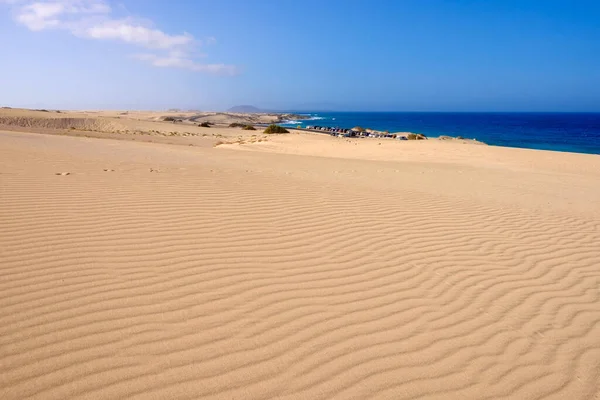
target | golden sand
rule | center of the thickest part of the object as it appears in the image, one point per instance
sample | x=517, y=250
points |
x=303, y=267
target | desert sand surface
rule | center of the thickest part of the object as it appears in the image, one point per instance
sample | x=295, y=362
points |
x=295, y=267
x=128, y=121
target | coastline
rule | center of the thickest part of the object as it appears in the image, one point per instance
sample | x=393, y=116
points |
x=181, y=123
x=564, y=132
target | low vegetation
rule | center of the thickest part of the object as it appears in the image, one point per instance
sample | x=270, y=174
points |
x=205, y=125
x=276, y=129
x=169, y=119
x=245, y=127
x=416, y=136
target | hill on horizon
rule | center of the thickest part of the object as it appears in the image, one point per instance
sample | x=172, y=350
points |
x=245, y=109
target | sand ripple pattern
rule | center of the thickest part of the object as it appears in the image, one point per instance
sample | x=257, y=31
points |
x=54, y=122
x=239, y=285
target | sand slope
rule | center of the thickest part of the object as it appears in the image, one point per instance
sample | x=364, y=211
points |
x=110, y=121
x=185, y=273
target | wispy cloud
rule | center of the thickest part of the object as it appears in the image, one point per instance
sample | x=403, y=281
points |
x=176, y=59
x=94, y=19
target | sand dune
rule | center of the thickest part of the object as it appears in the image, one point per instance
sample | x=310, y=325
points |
x=136, y=125
x=157, y=271
x=122, y=121
x=94, y=124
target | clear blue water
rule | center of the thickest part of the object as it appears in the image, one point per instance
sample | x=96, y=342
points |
x=573, y=132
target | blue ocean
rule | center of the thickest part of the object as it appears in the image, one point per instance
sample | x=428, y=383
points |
x=573, y=132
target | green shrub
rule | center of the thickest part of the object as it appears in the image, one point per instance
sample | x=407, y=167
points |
x=248, y=128
x=276, y=129
x=236, y=125
x=205, y=125
x=169, y=119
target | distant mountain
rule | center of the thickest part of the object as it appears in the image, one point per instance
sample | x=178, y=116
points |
x=245, y=109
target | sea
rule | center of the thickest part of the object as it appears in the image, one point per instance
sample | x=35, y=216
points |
x=571, y=132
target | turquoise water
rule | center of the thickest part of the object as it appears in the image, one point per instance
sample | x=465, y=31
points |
x=573, y=132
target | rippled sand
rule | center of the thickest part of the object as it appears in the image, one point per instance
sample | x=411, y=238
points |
x=394, y=271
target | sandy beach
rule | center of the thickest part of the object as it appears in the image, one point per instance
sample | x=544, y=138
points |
x=182, y=262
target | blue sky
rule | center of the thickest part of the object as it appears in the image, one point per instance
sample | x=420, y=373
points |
x=378, y=55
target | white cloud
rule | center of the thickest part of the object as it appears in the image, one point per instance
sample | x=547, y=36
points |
x=177, y=60
x=137, y=35
x=93, y=19
x=61, y=14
